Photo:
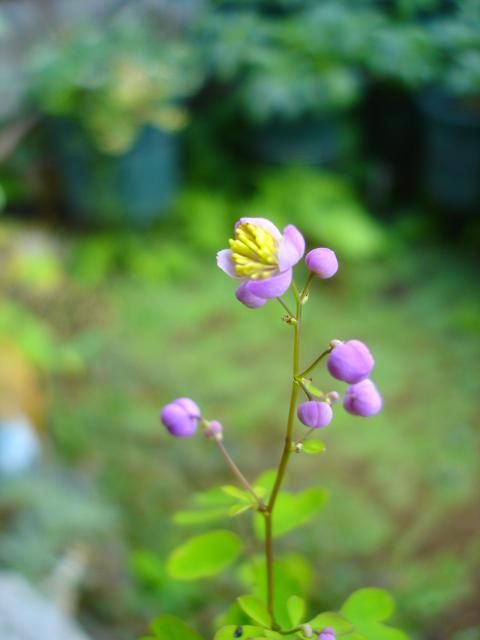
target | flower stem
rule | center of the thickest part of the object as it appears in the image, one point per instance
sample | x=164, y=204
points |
x=315, y=362
x=241, y=478
x=285, y=306
x=282, y=467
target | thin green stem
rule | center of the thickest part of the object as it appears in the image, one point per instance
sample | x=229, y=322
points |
x=241, y=478
x=282, y=467
x=284, y=305
x=315, y=362
x=306, y=288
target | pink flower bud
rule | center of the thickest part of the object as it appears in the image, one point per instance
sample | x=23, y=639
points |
x=315, y=414
x=213, y=430
x=363, y=399
x=327, y=634
x=322, y=262
x=333, y=397
x=181, y=417
x=350, y=361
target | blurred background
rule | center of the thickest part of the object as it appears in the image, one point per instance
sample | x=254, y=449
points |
x=132, y=136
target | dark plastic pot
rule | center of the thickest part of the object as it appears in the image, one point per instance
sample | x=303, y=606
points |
x=132, y=189
x=321, y=141
x=451, y=151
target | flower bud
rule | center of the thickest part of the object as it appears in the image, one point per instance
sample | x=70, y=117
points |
x=327, y=634
x=213, y=430
x=315, y=414
x=307, y=630
x=246, y=297
x=363, y=399
x=181, y=417
x=322, y=262
x=350, y=361
x=333, y=397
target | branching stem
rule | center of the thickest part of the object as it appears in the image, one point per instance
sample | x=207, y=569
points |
x=282, y=467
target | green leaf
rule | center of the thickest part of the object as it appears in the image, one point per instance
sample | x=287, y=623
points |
x=212, y=498
x=379, y=631
x=199, y=517
x=312, y=389
x=168, y=627
x=237, y=509
x=292, y=511
x=235, y=492
x=367, y=604
x=265, y=481
x=204, y=555
x=331, y=619
x=293, y=574
x=367, y=608
x=237, y=632
x=313, y=446
x=255, y=609
x=296, y=608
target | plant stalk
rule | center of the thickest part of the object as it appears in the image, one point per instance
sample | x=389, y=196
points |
x=282, y=467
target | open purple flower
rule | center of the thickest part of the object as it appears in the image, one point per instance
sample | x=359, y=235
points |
x=350, y=361
x=363, y=399
x=262, y=258
x=315, y=414
x=181, y=417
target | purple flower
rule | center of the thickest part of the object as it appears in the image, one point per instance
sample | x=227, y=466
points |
x=262, y=258
x=315, y=414
x=350, y=361
x=213, y=430
x=181, y=417
x=327, y=634
x=363, y=399
x=322, y=261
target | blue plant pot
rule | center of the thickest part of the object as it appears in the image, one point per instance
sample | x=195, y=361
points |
x=133, y=189
x=451, y=152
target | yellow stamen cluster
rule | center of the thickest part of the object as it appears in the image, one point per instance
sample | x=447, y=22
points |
x=254, y=252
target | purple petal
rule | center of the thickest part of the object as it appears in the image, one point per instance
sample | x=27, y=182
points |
x=246, y=297
x=264, y=223
x=189, y=406
x=177, y=421
x=271, y=287
x=291, y=248
x=224, y=261
x=363, y=399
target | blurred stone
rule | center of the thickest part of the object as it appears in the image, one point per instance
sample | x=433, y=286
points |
x=25, y=614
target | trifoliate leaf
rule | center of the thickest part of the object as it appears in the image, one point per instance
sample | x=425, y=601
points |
x=204, y=555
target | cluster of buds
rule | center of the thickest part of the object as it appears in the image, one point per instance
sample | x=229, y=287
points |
x=182, y=417
x=262, y=258
x=349, y=362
